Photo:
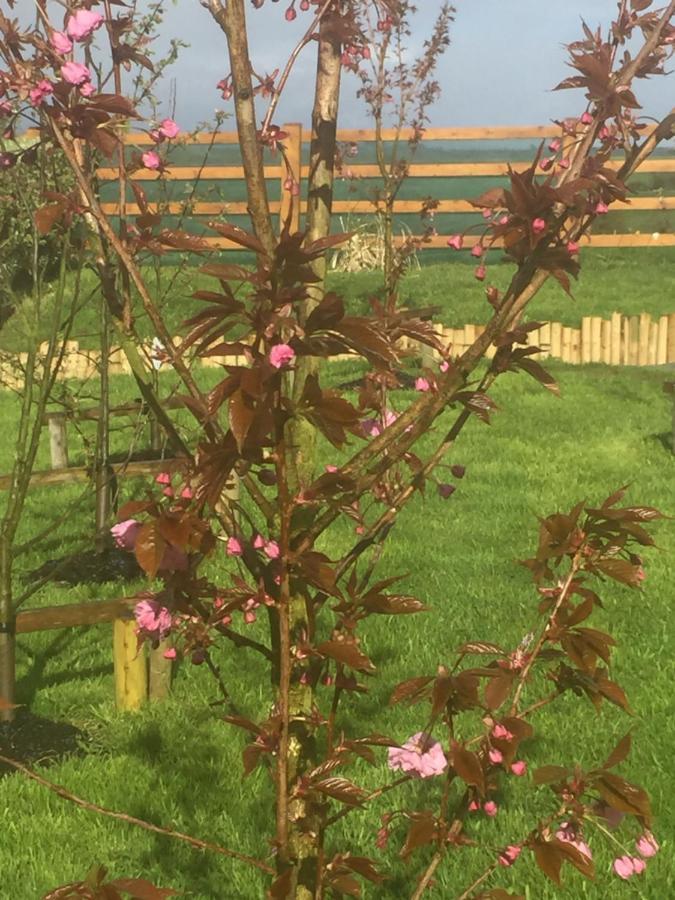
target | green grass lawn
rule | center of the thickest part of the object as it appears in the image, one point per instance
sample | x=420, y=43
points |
x=177, y=765
x=630, y=281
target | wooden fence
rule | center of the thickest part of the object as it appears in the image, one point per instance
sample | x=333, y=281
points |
x=654, y=185
x=139, y=676
x=617, y=341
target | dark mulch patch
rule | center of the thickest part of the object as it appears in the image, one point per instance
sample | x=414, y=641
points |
x=31, y=739
x=89, y=567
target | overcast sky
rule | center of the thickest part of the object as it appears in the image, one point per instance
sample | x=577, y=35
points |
x=504, y=59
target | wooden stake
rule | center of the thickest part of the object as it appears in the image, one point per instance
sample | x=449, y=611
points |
x=58, y=440
x=596, y=331
x=586, y=339
x=606, y=341
x=159, y=672
x=662, y=342
x=566, y=353
x=556, y=340
x=633, y=340
x=653, y=338
x=615, y=339
x=576, y=346
x=545, y=340
x=131, y=671
x=645, y=321
x=670, y=345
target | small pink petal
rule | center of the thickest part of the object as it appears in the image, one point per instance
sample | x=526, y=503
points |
x=539, y=226
x=258, y=542
x=456, y=242
x=281, y=355
x=647, y=845
x=477, y=250
x=163, y=478
x=490, y=808
x=496, y=756
x=601, y=208
x=519, y=767
x=624, y=867
x=572, y=248
x=480, y=273
x=151, y=160
x=421, y=384
x=233, y=547
x=170, y=653
x=272, y=550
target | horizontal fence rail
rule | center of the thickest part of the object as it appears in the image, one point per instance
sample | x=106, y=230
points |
x=646, y=221
x=619, y=341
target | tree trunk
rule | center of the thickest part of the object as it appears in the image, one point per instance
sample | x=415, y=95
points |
x=319, y=210
x=7, y=634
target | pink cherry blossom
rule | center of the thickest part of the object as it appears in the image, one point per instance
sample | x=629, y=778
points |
x=87, y=89
x=519, y=767
x=170, y=653
x=564, y=163
x=249, y=617
x=374, y=427
x=501, y=733
x=477, y=250
x=330, y=468
x=421, y=384
x=539, y=225
x=41, y=90
x=444, y=366
x=233, y=547
x=586, y=119
x=568, y=834
x=125, y=533
x=75, y=73
x=456, y=242
x=168, y=492
x=151, y=160
x=61, y=42
x=555, y=145
x=624, y=867
x=419, y=755
x=281, y=355
x=480, y=273
x=258, y=542
x=83, y=23
x=639, y=865
x=510, y=855
x=153, y=618
x=547, y=163
x=490, y=808
x=601, y=208
x=572, y=248
x=187, y=493
x=474, y=806
x=496, y=756
x=272, y=550
x=647, y=845
x=163, y=478
x=168, y=129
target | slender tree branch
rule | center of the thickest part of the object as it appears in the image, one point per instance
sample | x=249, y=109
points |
x=133, y=820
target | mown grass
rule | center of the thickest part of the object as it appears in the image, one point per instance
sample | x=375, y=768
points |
x=178, y=765
x=630, y=281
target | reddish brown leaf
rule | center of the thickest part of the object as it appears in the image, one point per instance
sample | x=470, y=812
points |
x=149, y=549
x=411, y=691
x=468, y=767
x=549, y=859
x=422, y=831
x=624, y=796
x=340, y=789
x=550, y=774
x=281, y=886
x=619, y=753
x=347, y=653
x=140, y=889
x=241, y=417
x=47, y=216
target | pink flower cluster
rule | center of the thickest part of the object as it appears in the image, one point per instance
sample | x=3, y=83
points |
x=166, y=130
x=627, y=866
x=420, y=755
x=281, y=356
x=568, y=834
x=82, y=24
x=153, y=619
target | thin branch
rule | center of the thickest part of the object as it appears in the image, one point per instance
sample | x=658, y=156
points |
x=133, y=820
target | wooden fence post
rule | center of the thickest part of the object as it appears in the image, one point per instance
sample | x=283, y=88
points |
x=670, y=343
x=159, y=672
x=615, y=340
x=58, y=440
x=130, y=665
x=293, y=145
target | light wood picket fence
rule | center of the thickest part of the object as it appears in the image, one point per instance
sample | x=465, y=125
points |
x=617, y=341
